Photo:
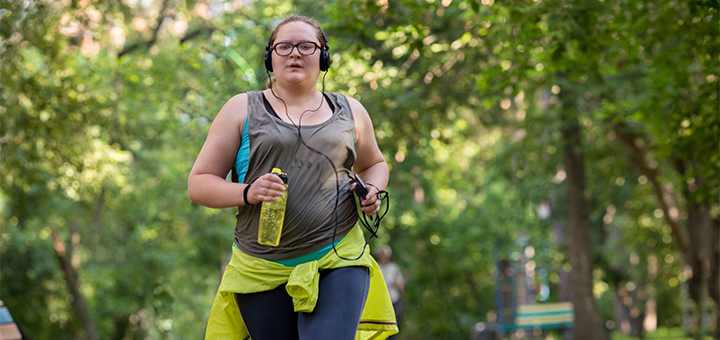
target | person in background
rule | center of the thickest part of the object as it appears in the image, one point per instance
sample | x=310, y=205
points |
x=394, y=280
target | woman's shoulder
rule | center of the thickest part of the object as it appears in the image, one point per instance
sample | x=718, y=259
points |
x=355, y=105
x=238, y=98
x=244, y=96
x=235, y=107
x=247, y=95
x=350, y=99
x=241, y=100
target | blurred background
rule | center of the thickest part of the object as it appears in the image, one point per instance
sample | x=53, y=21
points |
x=540, y=151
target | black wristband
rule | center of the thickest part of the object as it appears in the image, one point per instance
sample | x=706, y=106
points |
x=245, y=192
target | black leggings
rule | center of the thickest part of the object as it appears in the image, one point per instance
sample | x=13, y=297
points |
x=342, y=294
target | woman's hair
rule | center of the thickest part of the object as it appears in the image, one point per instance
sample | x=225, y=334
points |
x=296, y=18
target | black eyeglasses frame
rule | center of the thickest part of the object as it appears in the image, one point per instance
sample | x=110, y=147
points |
x=294, y=46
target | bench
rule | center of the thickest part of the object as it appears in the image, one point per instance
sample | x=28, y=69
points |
x=530, y=318
x=544, y=316
x=520, y=289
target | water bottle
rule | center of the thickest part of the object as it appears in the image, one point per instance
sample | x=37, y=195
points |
x=272, y=215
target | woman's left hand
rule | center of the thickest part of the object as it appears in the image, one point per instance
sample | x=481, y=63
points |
x=370, y=205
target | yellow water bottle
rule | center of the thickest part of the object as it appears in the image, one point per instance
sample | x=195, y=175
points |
x=272, y=215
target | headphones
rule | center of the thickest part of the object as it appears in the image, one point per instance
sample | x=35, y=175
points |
x=324, y=54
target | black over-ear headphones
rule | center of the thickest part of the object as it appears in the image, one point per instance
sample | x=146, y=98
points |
x=324, y=54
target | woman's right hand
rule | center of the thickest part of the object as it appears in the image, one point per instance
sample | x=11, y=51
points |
x=265, y=189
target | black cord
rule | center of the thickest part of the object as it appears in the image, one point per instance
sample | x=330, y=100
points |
x=382, y=195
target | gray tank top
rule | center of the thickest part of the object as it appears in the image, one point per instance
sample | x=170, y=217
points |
x=312, y=187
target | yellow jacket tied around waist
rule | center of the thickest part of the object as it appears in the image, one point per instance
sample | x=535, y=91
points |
x=247, y=274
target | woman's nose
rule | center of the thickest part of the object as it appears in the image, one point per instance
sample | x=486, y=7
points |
x=295, y=51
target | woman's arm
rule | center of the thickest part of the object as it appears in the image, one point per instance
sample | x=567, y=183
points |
x=207, y=184
x=370, y=164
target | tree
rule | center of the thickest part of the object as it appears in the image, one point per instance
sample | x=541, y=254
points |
x=103, y=106
x=485, y=111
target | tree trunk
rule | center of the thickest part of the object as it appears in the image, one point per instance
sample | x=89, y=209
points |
x=64, y=253
x=639, y=158
x=699, y=227
x=714, y=285
x=122, y=324
x=650, y=323
x=694, y=239
x=698, y=221
x=588, y=324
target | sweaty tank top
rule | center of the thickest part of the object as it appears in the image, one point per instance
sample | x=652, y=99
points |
x=269, y=142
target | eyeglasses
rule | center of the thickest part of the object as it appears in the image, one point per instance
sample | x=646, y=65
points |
x=304, y=48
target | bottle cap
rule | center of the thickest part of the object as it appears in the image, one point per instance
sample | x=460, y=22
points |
x=282, y=175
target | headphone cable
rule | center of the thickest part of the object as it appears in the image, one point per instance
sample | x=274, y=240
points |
x=382, y=195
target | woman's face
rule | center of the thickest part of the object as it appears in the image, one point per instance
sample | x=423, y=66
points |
x=296, y=67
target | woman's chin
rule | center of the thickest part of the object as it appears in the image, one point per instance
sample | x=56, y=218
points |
x=295, y=77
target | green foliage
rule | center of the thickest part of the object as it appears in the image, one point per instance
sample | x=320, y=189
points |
x=101, y=117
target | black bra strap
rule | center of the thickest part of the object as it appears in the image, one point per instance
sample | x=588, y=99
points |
x=270, y=109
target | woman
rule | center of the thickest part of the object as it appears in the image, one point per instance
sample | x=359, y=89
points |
x=311, y=286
